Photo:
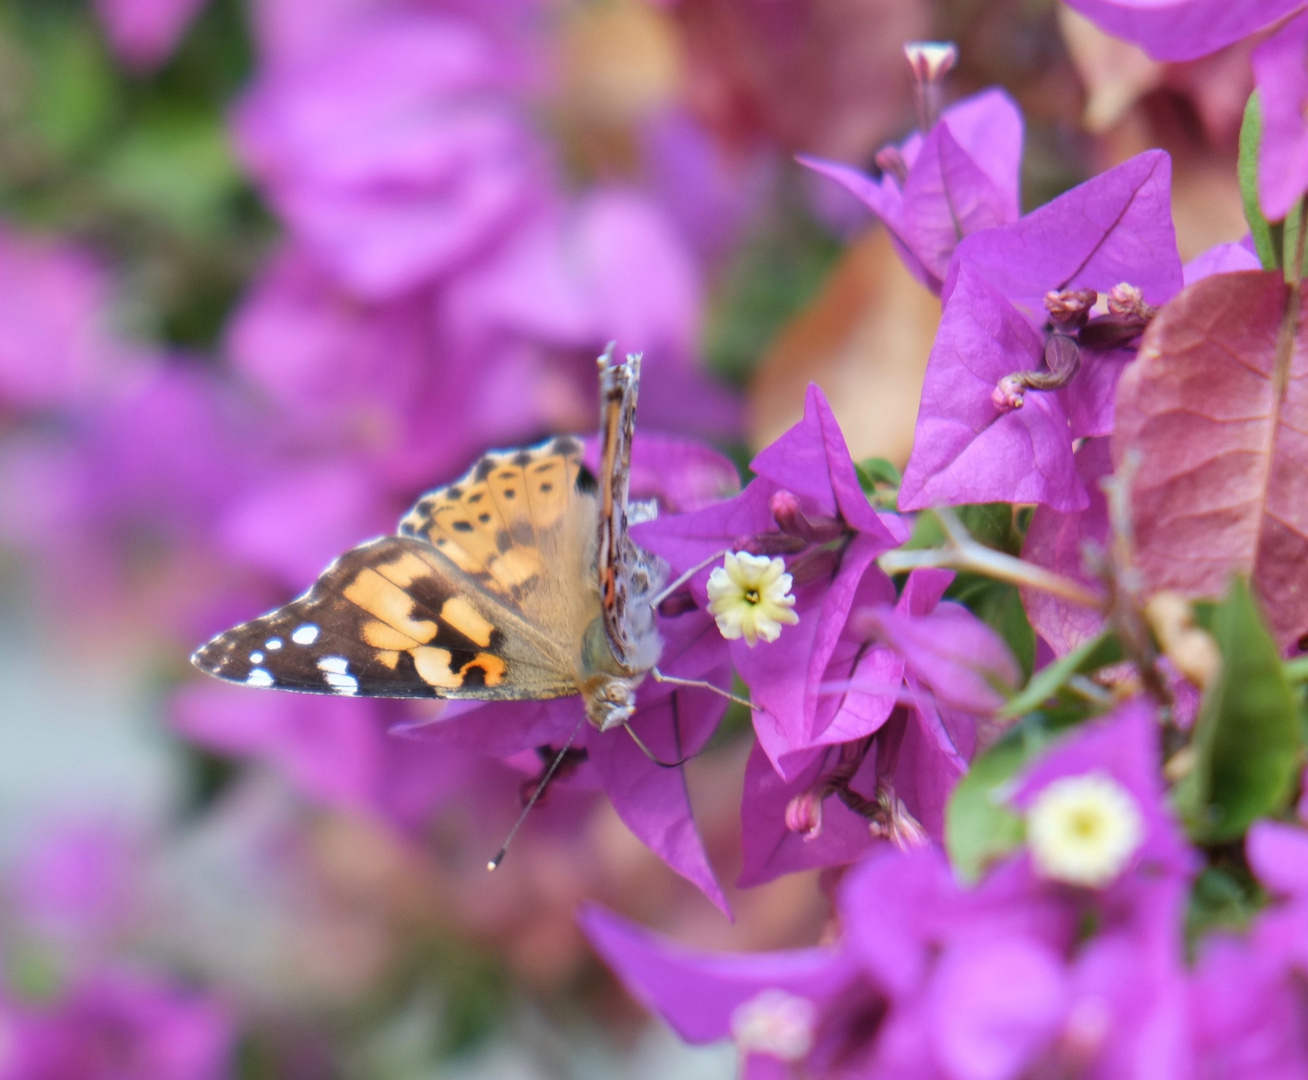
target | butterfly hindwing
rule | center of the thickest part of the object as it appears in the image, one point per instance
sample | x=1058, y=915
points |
x=394, y=618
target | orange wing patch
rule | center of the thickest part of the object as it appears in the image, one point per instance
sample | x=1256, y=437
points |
x=487, y=523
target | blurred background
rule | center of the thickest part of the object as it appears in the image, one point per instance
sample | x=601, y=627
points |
x=270, y=269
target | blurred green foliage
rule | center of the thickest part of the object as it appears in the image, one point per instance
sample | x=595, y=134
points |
x=137, y=166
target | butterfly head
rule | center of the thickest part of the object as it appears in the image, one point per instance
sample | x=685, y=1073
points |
x=611, y=703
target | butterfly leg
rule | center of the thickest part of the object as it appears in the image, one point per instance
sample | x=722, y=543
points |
x=670, y=589
x=673, y=680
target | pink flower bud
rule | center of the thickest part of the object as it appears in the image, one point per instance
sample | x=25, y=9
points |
x=804, y=814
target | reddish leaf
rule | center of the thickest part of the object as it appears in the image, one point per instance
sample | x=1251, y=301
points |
x=1217, y=406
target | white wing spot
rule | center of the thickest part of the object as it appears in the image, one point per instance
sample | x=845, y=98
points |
x=305, y=635
x=256, y=658
x=273, y=643
x=258, y=677
x=334, y=671
x=343, y=684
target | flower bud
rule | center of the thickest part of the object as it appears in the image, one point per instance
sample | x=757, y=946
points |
x=931, y=61
x=1070, y=307
x=804, y=814
x=791, y=519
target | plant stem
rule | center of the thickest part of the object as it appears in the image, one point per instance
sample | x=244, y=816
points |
x=964, y=553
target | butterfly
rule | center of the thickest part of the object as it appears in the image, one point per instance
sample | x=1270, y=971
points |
x=518, y=581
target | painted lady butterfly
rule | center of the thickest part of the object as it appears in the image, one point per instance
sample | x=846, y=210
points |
x=517, y=582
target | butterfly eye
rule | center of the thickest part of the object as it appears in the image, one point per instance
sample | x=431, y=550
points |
x=618, y=693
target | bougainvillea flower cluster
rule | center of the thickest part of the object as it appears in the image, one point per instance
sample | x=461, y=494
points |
x=1033, y=708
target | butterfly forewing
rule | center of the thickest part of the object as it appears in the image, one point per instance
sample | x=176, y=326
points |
x=394, y=618
x=627, y=575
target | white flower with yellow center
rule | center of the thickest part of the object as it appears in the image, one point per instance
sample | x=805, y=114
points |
x=775, y=1022
x=749, y=595
x=1084, y=830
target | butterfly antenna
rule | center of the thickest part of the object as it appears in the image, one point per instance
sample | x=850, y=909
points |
x=650, y=754
x=700, y=684
x=670, y=589
x=535, y=797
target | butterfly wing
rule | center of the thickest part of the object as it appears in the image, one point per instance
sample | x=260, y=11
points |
x=628, y=576
x=395, y=618
x=521, y=524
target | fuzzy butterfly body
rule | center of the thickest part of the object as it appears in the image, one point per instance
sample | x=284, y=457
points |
x=517, y=582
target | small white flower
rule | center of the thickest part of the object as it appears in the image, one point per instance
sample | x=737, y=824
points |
x=749, y=595
x=1084, y=829
x=774, y=1022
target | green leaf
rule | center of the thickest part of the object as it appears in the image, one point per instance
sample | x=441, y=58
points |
x=1221, y=899
x=979, y=828
x=75, y=97
x=177, y=167
x=877, y=470
x=1266, y=242
x=1247, y=738
x=1094, y=654
x=991, y=524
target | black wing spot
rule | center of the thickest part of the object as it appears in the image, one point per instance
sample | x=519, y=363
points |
x=586, y=482
x=503, y=541
x=441, y=541
x=522, y=457
x=484, y=468
x=545, y=489
x=461, y=526
x=510, y=493
x=567, y=445
x=483, y=518
x=476, y=498
x=454, y=491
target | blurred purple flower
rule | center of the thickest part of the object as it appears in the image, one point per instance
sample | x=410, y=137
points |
x=1282, y=79
x=1113, y=229
x=565, y=282
x=1245, y=1011
x=294, y=519
x=332, y=751
x=395, y=152
x=1183, y=29
x=1222, y=259
x=1246, y=998
x=933, y=191
x=373, y=381
x=120, y=1025
x=711, y=192
x=56, y=348
x=77, y=884
x=791, y=1014
x=933, y=979
x=1125, y=745
x=122, y=504
x=964, y=662
x=144, y=33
